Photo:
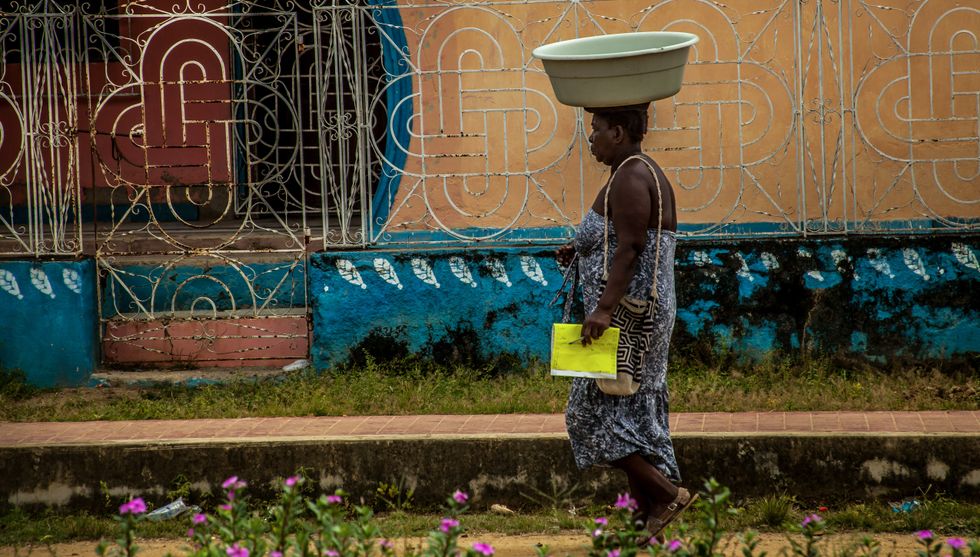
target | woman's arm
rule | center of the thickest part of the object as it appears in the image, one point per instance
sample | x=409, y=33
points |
x=629, y=203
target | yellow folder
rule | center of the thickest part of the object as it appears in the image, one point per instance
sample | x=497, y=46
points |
x=570, y=359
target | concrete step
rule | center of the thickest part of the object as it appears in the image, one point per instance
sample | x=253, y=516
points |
x=517, y=460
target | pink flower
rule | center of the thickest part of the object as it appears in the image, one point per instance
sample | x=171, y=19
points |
x=601, y=521
x=190, y=532
x=237, y=551
x=811, y=519
x=624, y=501
x=233, y=483
x=956, y=543
x=225, y=507
x=924, y=534
x=613, y=553
x=460, y=497
x=331, y=553
x=275, y=554
x=597, y=532
x=674, y=545
x=386, y=544
x=448, y=524
x=291, y=481
x=483, y=549
x=199, y=518
x=335, y=499
x=135, y=506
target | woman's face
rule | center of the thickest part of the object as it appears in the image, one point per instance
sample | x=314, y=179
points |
x=602, y=140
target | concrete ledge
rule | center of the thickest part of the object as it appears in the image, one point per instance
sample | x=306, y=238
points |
x=514, y=470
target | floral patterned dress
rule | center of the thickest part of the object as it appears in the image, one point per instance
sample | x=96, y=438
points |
x=602, y=427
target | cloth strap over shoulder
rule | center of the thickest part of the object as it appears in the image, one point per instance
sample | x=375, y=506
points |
x=660, y=220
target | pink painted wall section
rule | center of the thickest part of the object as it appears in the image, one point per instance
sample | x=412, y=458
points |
x=172, y=124
x=153, y=106
x=270, y=341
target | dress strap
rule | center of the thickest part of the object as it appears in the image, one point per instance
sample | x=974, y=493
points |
x=660, y=220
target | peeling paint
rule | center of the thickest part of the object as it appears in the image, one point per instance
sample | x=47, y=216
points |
x=971, y=479
x=880, y=469
x=330, y=482
x=937, y=470
x=56, y=494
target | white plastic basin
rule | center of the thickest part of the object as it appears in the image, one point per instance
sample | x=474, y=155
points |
x=617, y=70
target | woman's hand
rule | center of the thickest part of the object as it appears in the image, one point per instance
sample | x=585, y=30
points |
x=565, y=254
x=595, y=324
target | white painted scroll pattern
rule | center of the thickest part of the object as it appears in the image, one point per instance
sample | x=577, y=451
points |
x=923, y=113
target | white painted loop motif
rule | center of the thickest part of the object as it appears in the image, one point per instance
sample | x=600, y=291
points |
x=914, y=262
x=423, y=271
x=41, y=282
x=532, y=269
x=701, y=258
x=387, y=272
x=841, y=257
x=348, y=271
x=72, y=280
x=498, y=271
x=459, y=268
x=769, y=261
x=743, y=268
x=965, y=255
x=8, y=283
x=879, y=263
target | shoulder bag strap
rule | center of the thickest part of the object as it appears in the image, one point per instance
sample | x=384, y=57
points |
x=660, y=220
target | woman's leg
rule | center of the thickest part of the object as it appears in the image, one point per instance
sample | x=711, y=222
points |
x=651, y=489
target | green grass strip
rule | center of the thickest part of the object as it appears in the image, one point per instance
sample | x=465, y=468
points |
x=414, y=387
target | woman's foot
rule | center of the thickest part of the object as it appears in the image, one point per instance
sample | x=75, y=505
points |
x=658, y=522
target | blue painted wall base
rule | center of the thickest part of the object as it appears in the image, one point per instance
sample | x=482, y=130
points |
x=470, y=307
x=882, y=300
x=48, y=320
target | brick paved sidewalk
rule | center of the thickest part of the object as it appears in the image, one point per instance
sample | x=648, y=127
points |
x=258, y=429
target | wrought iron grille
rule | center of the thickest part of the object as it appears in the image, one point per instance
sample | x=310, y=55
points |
x=430, y=122
x=40, y=88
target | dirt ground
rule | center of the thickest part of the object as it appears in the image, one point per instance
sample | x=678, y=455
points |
x=505, y=546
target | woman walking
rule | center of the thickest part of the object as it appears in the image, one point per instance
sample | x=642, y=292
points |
x=632, y=216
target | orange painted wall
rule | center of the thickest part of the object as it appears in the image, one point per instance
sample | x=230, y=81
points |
x=794, y=113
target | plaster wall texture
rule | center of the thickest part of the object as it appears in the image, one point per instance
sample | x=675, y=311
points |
x=888, y=300
x=813, y=468
x=48, y=320
x=787, y=115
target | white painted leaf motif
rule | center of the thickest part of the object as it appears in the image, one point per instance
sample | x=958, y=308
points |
x=769, y=260
x=966, y=256
x=743, y=268
x=498, y=271
x=387, y=272
x=803, y=252
x=815, y=275
x=701, y=258
x=423, y=271
x=840, y=256
x=532, y=269
x=348, y=271
x=914, y=262
x=8, y=282
x=879, y=263
x=41, y=282
x=72, y=280
x=458, y=266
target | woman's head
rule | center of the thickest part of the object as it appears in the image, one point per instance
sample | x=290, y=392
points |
x=616, y=131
